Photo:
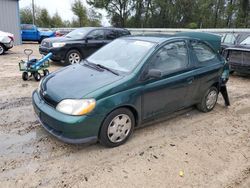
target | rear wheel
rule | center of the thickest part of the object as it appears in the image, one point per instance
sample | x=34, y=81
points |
x=73, y=57
x=25, y=76
x=41, y=39
x=37, y=76
x=117, y=127
x=209, y=100
x=2, y=49
x=45, y=72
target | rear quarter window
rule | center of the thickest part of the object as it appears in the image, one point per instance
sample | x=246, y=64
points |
x=203, y=52
x=230, y=39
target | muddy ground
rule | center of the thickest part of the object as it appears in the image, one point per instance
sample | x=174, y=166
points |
x=212, y=149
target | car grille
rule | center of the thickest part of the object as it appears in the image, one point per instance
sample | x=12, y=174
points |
x=47, y=99
x=46, y=44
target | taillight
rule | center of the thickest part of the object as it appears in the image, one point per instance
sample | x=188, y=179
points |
x=11, y=38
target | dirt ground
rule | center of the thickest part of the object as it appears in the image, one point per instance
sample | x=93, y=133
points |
x=212, y=149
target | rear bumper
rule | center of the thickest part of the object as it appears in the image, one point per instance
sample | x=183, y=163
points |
x=240, y=68
x=58, y=53
x=69, y=129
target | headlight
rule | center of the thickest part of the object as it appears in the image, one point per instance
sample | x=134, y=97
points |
x=58, y=44
x=76, y=107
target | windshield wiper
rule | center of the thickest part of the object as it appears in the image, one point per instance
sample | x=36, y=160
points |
x=106, y=68
x=99, y=67
x=92, y=65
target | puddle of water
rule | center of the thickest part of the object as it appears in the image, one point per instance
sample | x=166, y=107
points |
x=12, y=143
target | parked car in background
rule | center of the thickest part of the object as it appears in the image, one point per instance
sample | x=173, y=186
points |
x=80, y=43
x=6, y=41
x=62, y=32
x=229, y=40
x=239, y=56
x=32, y=33
x=128, y=83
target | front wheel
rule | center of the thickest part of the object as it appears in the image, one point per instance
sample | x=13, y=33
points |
x=73, y=57
x=117, y=127
x=25, y=76
x=209, y=100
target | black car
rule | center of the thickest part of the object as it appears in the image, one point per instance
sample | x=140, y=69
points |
x=229, y=40
x=79, y=43
x=239, y=56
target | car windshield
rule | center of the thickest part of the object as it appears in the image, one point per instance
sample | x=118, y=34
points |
x=77, y=33
x=121, y=54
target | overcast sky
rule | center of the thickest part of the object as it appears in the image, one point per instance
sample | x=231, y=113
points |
x=63, y=7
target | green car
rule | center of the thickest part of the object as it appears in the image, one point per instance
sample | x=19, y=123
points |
x=128, y=83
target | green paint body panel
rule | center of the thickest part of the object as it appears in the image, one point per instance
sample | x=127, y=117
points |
x=147, y=99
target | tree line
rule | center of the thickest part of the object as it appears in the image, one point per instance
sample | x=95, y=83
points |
x=176, y=13
x=152, y=14
x=83, y=17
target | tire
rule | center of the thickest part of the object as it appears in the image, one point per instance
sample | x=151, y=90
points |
x=2, y=49
x=37, y=76
x=41, y=39
x=209, y=100
x=73, y=57
x=45, y=72
x=25, y=76
x=115, y=132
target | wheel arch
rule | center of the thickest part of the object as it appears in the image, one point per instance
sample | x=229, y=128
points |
x=74, y=48
x=217, y=85
x=129, y=107
x=4, y=47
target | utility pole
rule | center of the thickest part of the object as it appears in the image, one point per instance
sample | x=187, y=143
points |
x=33, y=12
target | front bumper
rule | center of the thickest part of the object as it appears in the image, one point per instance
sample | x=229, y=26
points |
x=70, y=129
x=58, y=54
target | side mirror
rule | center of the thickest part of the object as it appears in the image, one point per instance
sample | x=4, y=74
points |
x=154, y=73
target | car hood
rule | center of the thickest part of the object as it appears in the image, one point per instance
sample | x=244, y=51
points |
x=59, y=39
x=47, y=33
x=75, y=82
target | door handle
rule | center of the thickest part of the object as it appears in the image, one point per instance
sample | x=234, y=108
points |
x=190, y=80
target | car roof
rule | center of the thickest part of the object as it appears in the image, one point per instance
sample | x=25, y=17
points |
x=153, y=39
x=91, y=28
x=213, y=40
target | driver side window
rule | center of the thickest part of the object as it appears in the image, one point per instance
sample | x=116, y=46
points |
x=96, y=35
x=170, y=58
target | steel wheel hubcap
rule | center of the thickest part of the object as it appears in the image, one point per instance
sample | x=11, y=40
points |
x=74, y=58
x=119, y=128
x=211, y=99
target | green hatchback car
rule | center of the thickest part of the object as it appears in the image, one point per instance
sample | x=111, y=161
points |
x=128, y=83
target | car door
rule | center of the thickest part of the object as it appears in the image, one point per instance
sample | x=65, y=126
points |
x=110, y=35
x=29, y=32
x=95, y=40
x=208, y=67
x=168, y=93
